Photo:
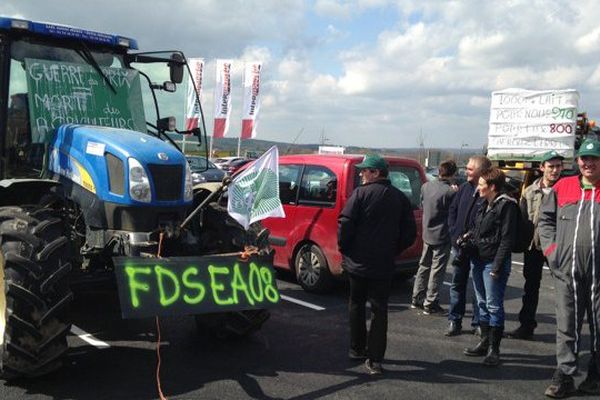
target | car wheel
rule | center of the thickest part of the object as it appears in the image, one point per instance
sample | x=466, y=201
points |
x=312, y=271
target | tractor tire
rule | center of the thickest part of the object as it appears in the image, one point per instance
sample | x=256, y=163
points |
x=222, y=234
x=231, y=325
x=312, y=271
x=34, y=292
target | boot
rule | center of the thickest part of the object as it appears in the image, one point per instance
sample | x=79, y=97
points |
x=493, y=355
x=591, y=384
x=481, y=348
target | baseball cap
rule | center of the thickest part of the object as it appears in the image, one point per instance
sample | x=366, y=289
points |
x=590, y=147
x=373, y=161
x=549, y=155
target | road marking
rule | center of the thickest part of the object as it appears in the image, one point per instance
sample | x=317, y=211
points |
x=520, y=263
x=302, y=303
x=88, y=337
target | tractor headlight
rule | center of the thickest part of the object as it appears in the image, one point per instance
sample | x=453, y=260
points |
x=188, y=192
x=139, y=184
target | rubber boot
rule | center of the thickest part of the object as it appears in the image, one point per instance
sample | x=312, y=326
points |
x=481, y=348
x=493, y=355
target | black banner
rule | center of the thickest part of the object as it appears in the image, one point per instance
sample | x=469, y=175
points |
x=194, y=285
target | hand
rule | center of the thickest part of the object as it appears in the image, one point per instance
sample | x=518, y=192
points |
x=494, y=275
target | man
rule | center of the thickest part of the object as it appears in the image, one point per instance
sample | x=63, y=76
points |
x=436, y=197
x=376, y=224
x=463, y=208
x=531, y=201
x=569, y=230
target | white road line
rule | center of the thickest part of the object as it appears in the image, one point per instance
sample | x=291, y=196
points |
x=520, y=263
x=87, y=337
x=302, y=303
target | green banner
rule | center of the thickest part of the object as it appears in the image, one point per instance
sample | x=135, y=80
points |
x=63, y=93
x=194, y=285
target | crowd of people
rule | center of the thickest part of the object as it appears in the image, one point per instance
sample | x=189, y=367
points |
x=476, y=227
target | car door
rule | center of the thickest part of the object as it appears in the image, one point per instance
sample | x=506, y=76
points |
x=280, y=228
x=409, y=180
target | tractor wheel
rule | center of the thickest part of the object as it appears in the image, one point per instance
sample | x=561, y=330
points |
x=231, y=325
x=222, y=234
x=34, y=292
x=312, y=271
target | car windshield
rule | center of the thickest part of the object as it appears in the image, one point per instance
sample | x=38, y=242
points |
x=200, y=164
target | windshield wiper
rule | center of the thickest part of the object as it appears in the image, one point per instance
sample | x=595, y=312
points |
x=88, y=57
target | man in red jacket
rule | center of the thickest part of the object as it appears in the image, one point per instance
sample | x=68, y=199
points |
x=569, y=229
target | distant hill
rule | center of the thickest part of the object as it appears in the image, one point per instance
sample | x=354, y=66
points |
x=255, y=147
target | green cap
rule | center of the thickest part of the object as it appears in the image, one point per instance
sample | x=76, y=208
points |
x=550, y=155
x=373, y=161
x=590, y=147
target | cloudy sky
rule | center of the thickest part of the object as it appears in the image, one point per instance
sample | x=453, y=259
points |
x=375, y=73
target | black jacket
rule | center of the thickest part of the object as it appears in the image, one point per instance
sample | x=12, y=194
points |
x=495, y=229
x=462, y=211
x=376, y=224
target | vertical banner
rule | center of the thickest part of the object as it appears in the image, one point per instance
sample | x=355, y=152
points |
x=222, y=98
x=251, y=99
x=192, y=107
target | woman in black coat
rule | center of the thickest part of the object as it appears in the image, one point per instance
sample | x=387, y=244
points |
x=490, y=244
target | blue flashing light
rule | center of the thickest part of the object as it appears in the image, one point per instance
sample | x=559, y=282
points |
x=65, y=32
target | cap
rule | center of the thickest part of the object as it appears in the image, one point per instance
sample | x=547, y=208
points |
x=549, y=155
x=373, y=161
x=590, y=147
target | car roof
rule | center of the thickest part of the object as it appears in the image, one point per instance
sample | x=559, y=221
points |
x=341, y=158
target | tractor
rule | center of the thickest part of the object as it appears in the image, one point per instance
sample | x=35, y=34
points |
x=92, y=178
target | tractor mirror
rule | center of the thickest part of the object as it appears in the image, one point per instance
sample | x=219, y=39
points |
x=176, y=68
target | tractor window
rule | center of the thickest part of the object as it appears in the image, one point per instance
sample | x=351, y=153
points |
x=25, y=144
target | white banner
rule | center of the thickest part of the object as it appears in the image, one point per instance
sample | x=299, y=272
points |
x=251, y=99
x=253, y=195
x=222, y=98
x=527, y=123
x=192, y=107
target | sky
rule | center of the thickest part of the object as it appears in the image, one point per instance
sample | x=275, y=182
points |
x=371, y=73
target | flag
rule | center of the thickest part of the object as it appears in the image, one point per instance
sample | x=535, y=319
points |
x=222, y=98
x=254, y=193
x=251, y=99
x=192, y=107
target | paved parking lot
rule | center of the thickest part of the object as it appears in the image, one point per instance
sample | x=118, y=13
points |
x=301, y=353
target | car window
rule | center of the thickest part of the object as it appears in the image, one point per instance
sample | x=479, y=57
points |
x=199, y=163
x=289, y=179
x=318, y=187
x=408, y=180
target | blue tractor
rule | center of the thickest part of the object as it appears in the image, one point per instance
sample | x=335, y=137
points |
x=85, y=178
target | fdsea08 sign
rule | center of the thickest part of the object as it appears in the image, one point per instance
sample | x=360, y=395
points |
x=194, y=285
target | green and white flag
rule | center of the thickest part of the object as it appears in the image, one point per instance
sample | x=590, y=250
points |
x=254, y=193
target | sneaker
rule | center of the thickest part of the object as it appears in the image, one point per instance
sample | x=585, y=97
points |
x=434, y=308
x=373, y=367
x=590, y=386
x=520, y=333
x=357, y=355
x=415, y=305
x=562, y=386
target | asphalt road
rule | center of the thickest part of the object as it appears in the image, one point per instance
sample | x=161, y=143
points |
x=301, y=353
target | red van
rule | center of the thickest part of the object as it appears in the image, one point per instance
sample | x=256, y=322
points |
x=314, y=189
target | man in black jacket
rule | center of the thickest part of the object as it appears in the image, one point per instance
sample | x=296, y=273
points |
x=376, y=224
x=463, y=208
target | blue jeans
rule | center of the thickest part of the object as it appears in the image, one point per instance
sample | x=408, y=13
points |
x=490, y=291
x=458, y=294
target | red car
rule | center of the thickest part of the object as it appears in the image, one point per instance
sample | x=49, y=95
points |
x=313, y=189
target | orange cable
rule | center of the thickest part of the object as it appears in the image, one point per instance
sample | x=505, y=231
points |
x=160, y=393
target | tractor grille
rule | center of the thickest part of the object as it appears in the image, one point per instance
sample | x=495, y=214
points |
x=167, y=181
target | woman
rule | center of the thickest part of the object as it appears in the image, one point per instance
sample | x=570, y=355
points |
x=491, y=243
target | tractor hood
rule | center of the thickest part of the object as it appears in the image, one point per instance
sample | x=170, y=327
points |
x=97, y=158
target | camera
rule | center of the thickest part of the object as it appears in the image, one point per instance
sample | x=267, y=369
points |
x=466, y=248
